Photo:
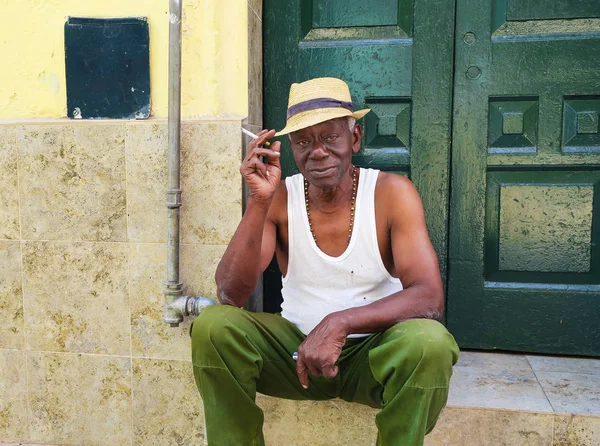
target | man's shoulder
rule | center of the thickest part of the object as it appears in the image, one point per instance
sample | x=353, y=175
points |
x=392, y=184
x=397, y=198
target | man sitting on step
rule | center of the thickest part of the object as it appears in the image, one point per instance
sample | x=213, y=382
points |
x=362, y=293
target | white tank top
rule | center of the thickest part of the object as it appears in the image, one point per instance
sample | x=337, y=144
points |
x=317, y=284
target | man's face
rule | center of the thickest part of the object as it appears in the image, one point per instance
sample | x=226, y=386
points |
x=323, y=152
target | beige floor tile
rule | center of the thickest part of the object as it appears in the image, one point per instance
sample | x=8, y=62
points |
x=167, y=409
x=497, y=388
x=211, y=181
x=13, y=396
x=11, y=296
x=575, y=430
x=72, y=182
x=575, y=393
x=146, y=147
x=493, y=361
x=149, y=334
x=79, y=399
x=75, y=297
x=9, y=196
x=317, y=423
x=555, y=364
x=481, y=427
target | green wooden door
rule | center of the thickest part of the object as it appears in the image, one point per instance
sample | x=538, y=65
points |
x=524, y=269
x=524, y=258
x=396, y=56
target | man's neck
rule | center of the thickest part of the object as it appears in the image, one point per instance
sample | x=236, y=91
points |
x=326, y=201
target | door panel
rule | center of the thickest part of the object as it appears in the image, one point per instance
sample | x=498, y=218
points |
x=547, y=9
x=397, y=58
x=353, y=13
x=524, y=268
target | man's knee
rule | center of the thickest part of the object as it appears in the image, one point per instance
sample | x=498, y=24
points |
x=211, y=329
x=425, y=342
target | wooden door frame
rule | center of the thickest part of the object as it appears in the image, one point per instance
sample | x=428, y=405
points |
x=254, y=120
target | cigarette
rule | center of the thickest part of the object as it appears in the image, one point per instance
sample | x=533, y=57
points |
x=253, y=136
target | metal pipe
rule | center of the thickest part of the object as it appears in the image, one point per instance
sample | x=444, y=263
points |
x=173, y=288
x=189, y=306
x=177, y=306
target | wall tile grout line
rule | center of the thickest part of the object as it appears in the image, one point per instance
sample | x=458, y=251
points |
x=28, y=395
x=100, y=355
x=126, y=131
x=158, y=358
x=11, y=350
x=133, y=242
x=24, y=328
x=129, y=292
x=132, y=399
x=96, y=242
x=553, y=423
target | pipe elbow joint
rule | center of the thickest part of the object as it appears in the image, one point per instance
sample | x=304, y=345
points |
x=184, y=306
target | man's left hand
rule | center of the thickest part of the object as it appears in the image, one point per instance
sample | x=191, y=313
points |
x=321, y=349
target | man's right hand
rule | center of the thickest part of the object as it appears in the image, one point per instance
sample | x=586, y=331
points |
x=262, y=179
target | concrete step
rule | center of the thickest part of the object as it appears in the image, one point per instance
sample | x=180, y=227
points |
x=495, y=399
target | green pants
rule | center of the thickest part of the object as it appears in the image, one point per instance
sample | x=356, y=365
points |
x=405, y=371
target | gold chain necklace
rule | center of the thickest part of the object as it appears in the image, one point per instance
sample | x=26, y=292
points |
x=352, y=205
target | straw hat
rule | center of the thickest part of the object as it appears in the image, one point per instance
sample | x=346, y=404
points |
x=318, y=100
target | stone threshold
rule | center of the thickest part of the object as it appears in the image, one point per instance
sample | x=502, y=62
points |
x=543, y=384
x=496, y=399
x=515, y=399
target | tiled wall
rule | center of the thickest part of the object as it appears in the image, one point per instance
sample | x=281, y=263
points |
x=84, y=355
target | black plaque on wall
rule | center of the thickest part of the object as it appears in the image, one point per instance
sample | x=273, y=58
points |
x=107, y=65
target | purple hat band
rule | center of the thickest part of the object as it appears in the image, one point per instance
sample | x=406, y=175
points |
x=313, y=104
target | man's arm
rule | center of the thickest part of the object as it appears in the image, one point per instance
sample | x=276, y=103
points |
x=415, y=263
x=239, y=270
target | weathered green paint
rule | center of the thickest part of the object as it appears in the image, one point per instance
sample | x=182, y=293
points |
x=352, y=13
x=400, y=66
x=540, y=228
x=550, y=9
x=512, y=126
x=524, y=271
x=531, y=29
x=545, y=228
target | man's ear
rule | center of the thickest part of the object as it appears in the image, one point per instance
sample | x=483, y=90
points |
x=356, y=138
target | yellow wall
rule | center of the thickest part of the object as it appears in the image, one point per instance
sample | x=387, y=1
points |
x=214, y=72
